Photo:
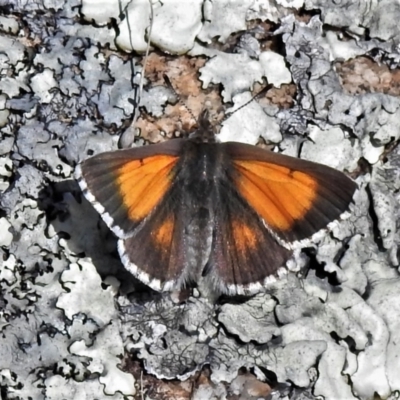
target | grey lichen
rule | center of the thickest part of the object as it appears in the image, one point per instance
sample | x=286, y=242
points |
x=69, y=311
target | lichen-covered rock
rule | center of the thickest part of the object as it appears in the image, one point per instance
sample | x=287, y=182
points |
x=70, y=315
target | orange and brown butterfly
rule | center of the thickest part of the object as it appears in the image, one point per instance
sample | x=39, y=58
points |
x=229, y=212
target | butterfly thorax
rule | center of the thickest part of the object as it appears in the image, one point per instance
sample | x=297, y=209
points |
x=202, y=168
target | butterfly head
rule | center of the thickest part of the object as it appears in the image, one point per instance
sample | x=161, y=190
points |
x=205, y=132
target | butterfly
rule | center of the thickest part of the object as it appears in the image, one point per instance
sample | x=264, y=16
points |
x=230, y=212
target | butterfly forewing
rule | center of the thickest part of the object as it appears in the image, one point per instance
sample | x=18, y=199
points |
x=295, y=198
x=125, y=186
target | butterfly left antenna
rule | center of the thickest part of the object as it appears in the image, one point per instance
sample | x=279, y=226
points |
x=169, y=84
x=126, y=140
x=146, y=56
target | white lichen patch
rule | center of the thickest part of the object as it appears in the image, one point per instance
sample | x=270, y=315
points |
x=329, y=329
x=106, y=353
x=5, y=172
x=101, y=12
x=174, y=28
x=9, y=25
x=236, y=73
x=59, y=387
x=330, y=147
x=42, y=83
x=249, y=123
x=275, y=69
x=85, y=294
x=252, y=321
x=223, y=18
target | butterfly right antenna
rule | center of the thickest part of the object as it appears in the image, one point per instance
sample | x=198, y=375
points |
x=262, y=91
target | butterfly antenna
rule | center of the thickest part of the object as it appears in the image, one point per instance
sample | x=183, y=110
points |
x=146, y=56
x=262, y=91
x=169, y=84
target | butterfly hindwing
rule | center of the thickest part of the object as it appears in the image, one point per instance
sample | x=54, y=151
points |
x=156, y=253
x=243, y=253
x=171, y=247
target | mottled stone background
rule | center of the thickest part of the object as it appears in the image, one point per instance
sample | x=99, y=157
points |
x=74, y=323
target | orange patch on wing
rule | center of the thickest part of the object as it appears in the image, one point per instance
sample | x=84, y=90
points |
x=245, y=238
x=143, y=183
x=279, y=195
x=163, y=234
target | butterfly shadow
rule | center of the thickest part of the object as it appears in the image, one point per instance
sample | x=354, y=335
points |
x=82, y=233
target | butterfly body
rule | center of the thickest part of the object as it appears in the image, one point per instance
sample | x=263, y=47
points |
x=230, y=212
x=199, y=168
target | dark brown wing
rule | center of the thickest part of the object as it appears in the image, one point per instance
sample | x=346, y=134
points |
x=244, y=254
x=125, y=186
x=295, y=198
x=136, y=193
x=264, y=205
x=157, y=253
